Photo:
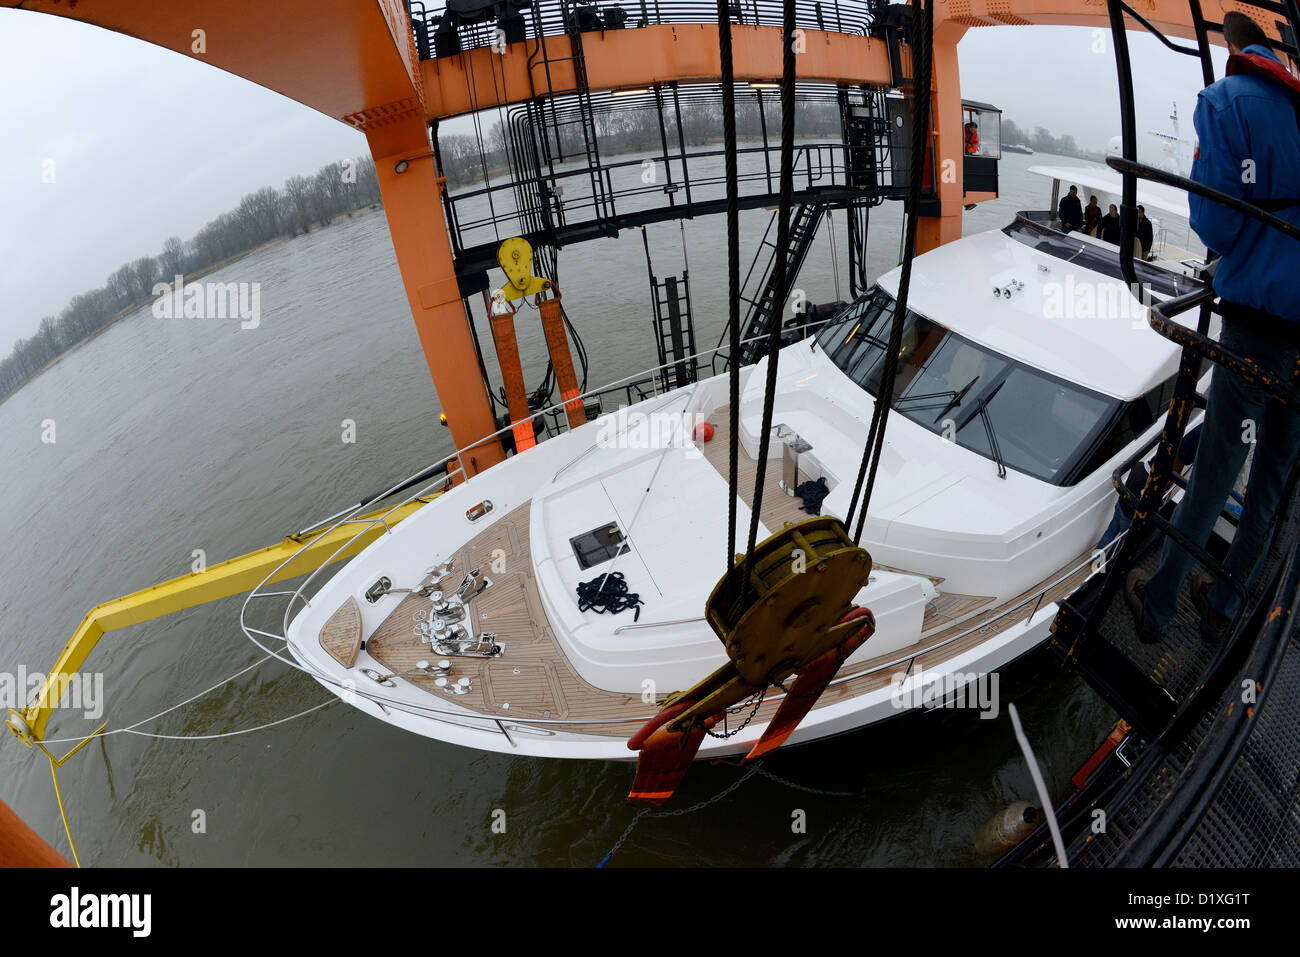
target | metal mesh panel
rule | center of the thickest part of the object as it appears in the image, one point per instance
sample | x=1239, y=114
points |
x=1177, y=662
x=1255, y=819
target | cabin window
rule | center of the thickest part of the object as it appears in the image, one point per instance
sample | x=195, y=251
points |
x=1138, y=416
x=948, y=384
x=1041, y=423
x=1083, y=255
x=981, y=130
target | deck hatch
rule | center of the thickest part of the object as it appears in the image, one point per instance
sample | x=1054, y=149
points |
x=598, y=545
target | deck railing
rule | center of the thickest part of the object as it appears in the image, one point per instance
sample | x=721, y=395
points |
x=1027, y=607
x=555, y=17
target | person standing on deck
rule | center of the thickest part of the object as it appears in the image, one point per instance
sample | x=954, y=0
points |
x=1091, y=216
x=1070, y=211
x=1248, y=148
x=1145, y=232
x=1108, y=226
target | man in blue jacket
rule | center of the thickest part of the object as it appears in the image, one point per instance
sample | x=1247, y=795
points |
x=1248, y=125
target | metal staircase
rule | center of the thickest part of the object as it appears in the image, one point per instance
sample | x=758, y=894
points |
x=674, y=324
x=763, y=309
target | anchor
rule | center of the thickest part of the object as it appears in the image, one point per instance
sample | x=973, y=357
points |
x=794, y=616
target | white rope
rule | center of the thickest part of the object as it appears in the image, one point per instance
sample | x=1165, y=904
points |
x=131, y=727
x=1037, y=775
x=231, y=734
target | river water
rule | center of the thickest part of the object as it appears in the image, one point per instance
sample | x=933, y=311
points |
x=175, y=435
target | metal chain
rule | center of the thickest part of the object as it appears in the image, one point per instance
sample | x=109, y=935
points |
x=650, y=812
x=805, y=788
x=627, y=831
x=679, y=812
x=757, y=698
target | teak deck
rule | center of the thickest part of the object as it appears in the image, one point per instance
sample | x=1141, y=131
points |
x=533, y=679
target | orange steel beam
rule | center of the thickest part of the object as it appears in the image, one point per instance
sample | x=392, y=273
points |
x=622, y=59
x=344, y=58
x=413, y=206
x=945, y=105
x=20, y=846
x=355, y=60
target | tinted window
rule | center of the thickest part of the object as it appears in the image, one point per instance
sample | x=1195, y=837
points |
x=1097, y=259
x=1040, y=423
x=950, y=385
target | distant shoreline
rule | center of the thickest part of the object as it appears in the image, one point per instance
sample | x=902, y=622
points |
x=132, y=309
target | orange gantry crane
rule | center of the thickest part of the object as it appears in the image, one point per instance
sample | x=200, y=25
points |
x=357, y=61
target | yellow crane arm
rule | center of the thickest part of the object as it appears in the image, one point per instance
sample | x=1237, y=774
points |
x=303, y=553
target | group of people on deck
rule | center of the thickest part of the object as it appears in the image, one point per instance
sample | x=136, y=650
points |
x=1074, y=216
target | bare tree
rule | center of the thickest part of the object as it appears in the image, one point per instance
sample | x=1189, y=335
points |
x=260, y=217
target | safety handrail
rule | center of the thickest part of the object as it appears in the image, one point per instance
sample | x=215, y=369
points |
x=828, y=171
x=542, y=724
x=1190, y=797
x=558, y=17
x=1245, y=207
x=1161, y=319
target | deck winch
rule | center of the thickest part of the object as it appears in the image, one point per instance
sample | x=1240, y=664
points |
x=792, y=614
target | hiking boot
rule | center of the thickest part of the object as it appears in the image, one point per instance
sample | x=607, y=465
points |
x=1135, y=588
x=1214, y=627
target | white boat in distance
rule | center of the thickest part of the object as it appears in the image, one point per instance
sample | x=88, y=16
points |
x=463, y=622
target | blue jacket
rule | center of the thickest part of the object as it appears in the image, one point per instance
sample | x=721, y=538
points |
x=1248, y=117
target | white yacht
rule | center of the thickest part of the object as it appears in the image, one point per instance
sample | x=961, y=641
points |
x=1027, y=373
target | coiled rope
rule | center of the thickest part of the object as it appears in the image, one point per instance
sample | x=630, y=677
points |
x=608, y=593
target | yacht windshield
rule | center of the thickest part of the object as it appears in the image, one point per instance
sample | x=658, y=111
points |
x=1041, y=425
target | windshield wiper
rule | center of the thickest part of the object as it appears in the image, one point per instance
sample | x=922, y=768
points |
x=982, y=410
x=945, y=394
x=958, y=397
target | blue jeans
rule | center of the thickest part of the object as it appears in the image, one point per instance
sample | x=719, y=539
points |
x=1219, y=457
x=1119, y=522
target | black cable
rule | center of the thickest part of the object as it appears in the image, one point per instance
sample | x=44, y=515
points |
x=778, y=280
x=608, y=593
x=923, y=23
x=733, y=268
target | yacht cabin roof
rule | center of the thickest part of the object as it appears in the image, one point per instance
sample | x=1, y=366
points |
x=1069, y=321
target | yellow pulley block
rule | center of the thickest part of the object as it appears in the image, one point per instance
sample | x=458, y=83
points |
x=803, y=578
x=515, y=257
x=792, y=616
x=801, y=583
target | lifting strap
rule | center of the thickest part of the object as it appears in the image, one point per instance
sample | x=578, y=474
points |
x=562, y=360
x=512, y=376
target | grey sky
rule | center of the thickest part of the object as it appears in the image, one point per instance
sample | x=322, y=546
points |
x=147, y=143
